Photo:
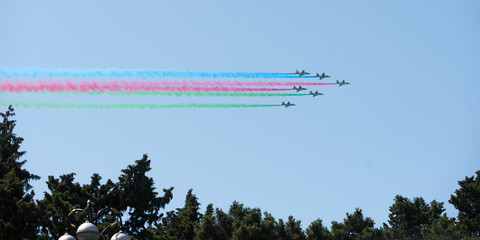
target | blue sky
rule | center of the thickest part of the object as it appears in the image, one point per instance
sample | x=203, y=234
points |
x=408, y=123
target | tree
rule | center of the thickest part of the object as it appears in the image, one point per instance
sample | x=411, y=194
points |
x=135, y=193
x=356, y=224
x=18, y=212
x=339, y=231
x=268, y=226
x=294, y=230
x=247, y=222
x=443, y=228
x=207, y=230
x=280, y=230
x=355, y=227
x=181, y=224
x=224, y=225
x=467, y=201
x=407, y=217
x=64, y=196
x=316, y=231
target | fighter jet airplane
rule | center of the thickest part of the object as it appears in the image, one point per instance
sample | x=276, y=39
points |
x=314, y=94
x=288, y=104
x=322, y=76
x=342, y=83
x=302, y=73
x=300, y=88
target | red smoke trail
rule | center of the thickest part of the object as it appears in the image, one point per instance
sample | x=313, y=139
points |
x=113, y=86
x=231, y=83
x=150, y=85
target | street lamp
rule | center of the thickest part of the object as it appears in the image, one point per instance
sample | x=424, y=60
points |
x=88, y=230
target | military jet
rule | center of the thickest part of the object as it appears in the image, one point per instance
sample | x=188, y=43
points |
x=314, y=94
x=302, y=73
x=342, y=83
x=300, y=88
x=322, y=76
x=288, y=104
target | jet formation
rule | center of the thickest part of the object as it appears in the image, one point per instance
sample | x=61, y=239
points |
x=316, y=93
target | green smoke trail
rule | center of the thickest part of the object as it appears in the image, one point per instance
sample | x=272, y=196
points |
x=203, y=94
x=180, y=94
x=131, y=105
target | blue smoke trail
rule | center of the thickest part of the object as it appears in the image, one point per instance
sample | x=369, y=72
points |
x=136, y=73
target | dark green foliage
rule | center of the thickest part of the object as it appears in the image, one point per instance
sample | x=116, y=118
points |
x=407, y=217
x=224, y=225
x=443, y=228
x=182, y=223
x=467, y=201
x=18, y=214
x=18, y=211
x=10, y=153
x=293, y=230
x=280, y=230
x=135, y=193
x=54, y=207
x=316, y=231
x=65, y=195
x=207, y=229
x=355, y=227
x=246, y=222
x=268, y=226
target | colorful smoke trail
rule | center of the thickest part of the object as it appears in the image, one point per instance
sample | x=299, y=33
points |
x=137, y=73
x=88, y=86
x=118, y=85
x=131, y=105
x=142, y=82
x=175, y=93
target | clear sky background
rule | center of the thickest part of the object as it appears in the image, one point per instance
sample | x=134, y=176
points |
x=407, y=124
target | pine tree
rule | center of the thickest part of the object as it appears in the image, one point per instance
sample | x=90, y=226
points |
x=18, y=212
x=66, y=195
x=316, y=231
x=135, y=193
x=224, y=225
x=294, y=230
x=207, y=229
x=407, y=217
x=181, y=224
x=467, y=201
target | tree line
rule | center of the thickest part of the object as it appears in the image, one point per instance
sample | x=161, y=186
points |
x=134, y=195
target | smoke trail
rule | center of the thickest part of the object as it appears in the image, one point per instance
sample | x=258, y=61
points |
x=178, y=94
x=206, y=94
x=133, y=85
x=136, y=73
x=85, y=86
x=132, y=105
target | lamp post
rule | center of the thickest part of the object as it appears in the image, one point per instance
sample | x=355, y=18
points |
x=88, y=230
